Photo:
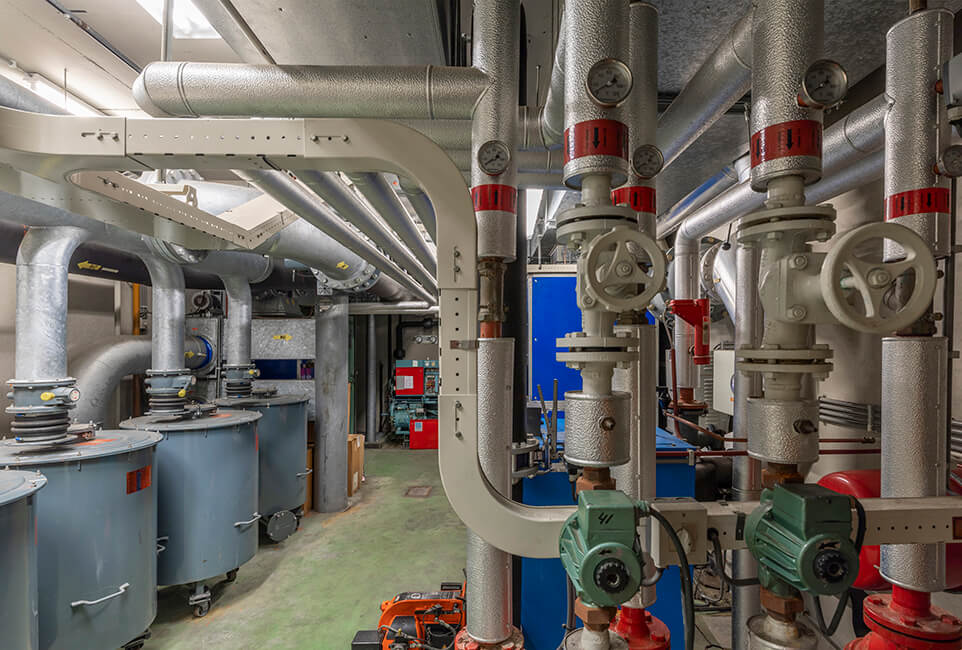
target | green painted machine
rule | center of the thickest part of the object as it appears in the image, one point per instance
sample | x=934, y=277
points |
x=800, y=535
x=599, y=548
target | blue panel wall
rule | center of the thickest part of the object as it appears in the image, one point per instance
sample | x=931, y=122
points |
x=554, y=313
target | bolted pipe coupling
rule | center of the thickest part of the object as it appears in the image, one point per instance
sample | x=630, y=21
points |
x=40, y=408
x=167, y=391
x=239, y=379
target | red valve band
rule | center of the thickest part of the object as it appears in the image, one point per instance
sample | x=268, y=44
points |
x=637, y=197
x=596, y=138
x=925, y=200
x=495, y=197
x=795, y=138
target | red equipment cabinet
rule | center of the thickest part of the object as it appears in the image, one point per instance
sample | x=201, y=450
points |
x=423, y=434
x=409, y=381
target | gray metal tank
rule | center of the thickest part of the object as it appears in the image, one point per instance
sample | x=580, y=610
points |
x=18, y=559
x=97, y=538
x=282, y=458
x=207, y=497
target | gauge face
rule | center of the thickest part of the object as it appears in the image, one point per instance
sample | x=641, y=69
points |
x=493, y=157
x=950, y=164
x=647, y=160
x=609, y=82
x=824, y=85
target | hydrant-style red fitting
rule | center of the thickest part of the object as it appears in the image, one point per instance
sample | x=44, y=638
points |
x=906, y=620
x=641, y=630
x=695, y=313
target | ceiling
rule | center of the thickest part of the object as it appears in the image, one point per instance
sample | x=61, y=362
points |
x=368, y=32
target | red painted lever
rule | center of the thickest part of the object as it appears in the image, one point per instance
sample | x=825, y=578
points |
x=695, y=313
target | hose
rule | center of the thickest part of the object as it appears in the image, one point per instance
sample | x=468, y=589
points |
x=687, y=591
x=720, y=564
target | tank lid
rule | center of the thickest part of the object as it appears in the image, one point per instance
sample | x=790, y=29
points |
x=276, y=400
x=16, y=485
x=105, y=443
x=219, y=420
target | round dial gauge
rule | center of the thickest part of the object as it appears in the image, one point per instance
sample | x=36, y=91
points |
x=609, y=82
x=824, y=85
x=493, y=157
x=647, y=160
x=950, y=162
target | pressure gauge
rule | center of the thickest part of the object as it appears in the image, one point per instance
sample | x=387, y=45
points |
x=950, y=162
x=608, y=82
x=493, y=157
x=824, y=85
x=647, y=160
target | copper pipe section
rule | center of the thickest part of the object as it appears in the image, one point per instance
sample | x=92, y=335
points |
x=596, y=619
x=595, y=478
x=780, y=607
x=490, y=329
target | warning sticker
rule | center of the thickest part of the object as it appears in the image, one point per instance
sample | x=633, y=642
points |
x=138, y=479
x=637, y=197
x=596, y=138
x=923, y=201
x=795, y=138
x=94, y=442
x=404, y=382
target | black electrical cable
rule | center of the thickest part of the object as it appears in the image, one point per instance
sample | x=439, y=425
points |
x=569, y=605
x=687, y=591
x=720, y=564
x=830, y=629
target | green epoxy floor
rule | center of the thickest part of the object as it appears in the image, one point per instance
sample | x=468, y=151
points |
x=316, y=589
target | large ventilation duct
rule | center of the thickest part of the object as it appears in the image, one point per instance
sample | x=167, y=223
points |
x=167, y=379
x=387, y=92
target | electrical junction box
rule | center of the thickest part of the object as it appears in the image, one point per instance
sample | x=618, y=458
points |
x=423, y=434
x=723, y=399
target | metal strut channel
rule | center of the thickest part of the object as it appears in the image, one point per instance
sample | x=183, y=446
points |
x=52, y=147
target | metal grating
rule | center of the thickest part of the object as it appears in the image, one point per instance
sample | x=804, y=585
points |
x=418, y=491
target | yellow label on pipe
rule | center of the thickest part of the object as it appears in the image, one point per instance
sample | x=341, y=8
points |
x=282, y=337
x=343, y=266
x=47, y=396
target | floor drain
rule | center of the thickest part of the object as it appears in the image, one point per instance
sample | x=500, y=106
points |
x=418, y=491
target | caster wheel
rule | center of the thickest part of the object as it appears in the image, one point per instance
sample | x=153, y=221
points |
x=232, y=575
x=201, y=610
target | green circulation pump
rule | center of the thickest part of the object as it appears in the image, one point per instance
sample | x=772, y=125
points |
x=800, y=535
x=598, y=549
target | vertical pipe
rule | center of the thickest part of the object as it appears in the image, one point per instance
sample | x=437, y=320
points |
x=167, y=313
x=331, y=404
x=746, y=479
x=373, y=394
x=488, y=606
x=237, y=337
x=43, y=261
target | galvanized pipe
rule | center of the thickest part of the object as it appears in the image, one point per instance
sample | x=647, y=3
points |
x=488, y=606
x=553, y=114
x=330, y=394
x=669, y=221
x=43, y=262
x=335, y=193
x=385, y=202
x=237, y=330
x=168, y=309
x=373, y=392
x=387, y=92
x=722, y=80
x=302, y=201
x=421, y=204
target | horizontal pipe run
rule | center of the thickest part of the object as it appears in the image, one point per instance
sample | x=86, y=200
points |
x=181, y=89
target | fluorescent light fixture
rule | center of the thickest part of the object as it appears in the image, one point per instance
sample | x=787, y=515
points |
x=40, y=85
x=189, y=22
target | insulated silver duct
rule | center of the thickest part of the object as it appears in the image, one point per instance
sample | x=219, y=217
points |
x=385, y=202
x=421, y=204
x=335, y=193
x=722, y=80
x=101, y=366
x=302, y=201
x=389, y=92
x=553, y=114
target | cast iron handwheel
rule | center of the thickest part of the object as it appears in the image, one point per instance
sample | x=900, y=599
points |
x=844, y=273
x=610, y=267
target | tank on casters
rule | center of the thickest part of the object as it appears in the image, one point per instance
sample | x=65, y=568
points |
x=207, y=496
x=96, y=537
x=18, y=558
x=282, y=450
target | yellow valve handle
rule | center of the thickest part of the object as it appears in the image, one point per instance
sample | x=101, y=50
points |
x=182, y=393
x=282, y=337
x=47, y=396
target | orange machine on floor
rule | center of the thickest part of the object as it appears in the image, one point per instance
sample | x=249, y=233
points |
x=417, y=620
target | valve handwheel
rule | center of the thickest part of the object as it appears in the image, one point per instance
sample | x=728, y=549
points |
x=613, y=275
x=845, y=273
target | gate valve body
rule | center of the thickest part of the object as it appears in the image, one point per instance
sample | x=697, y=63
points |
x=598, y=551
x=695, y=313
x=800, y=535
